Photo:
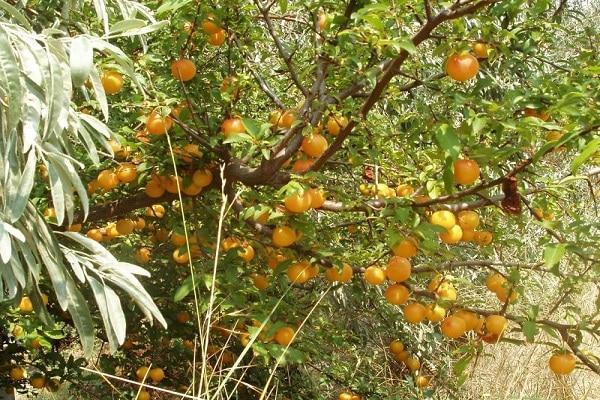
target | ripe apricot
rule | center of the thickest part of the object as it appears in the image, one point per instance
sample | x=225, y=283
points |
x=317, y=197
x=182, y=317
x=435, y=313
x=443, y=218
x=209, y=26
x=468, y=235
x=468, y=219
x=232, y=126
x=125, y=226
x=74, y=228
x=562, y=363
x=191, y=189
x=333, y=275
x=483, y=238
x=401, y=356
x=452, y=235
x=481, y=50
x=156, y=374
x=398, y=269
x=156, y=210
x=283, y=236
x=302, y=165
x=217, y=38
x=299, y=272
x=183, y=70
x=496, y=324
x=422, y=381
x=247, y=253
x=335, y=124
x=156, y=124
x=180, y=257
x=314, y=145
x=142, y=255
x=446, y=292
x=505, y=294
x=17, y=373
x=95, y=234
x=471, y=319
x=38, y=381
x=298, y=202
x=495, y=282
x=112, y=82
x=396, y=346
x=374, y=275
x=412, y=363
x=466, y=171
x=261, y=282
x=141, y=372
x=202, y=177
x=143, y=395
x=404, y=190
x=406, y=248
x=396, y=294
x=462, y=67
x=127, y=172
x=25, y=306
x=284, y=336
x=453, y=327
x=415, y=313
x=107, y=180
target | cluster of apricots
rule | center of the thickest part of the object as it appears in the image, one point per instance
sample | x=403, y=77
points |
x=190, y=184
x=109, y=179
x=216, y=34
x=400, y=354
x=460, y=227
x=499, y=285
x=36, y=381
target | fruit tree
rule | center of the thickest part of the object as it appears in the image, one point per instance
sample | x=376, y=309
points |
x=307, y=199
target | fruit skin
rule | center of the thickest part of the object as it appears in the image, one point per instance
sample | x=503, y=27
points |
x=38, y=381
x=483, y=238
x=298, y=202
x=156, y=374
x=462, y=67
x=25, y=306
x=436, y=313
x=141, y=372
x=562, y=363
x=302, y=165
x=317, y=197
x=217, y=38
x=466, y=171
x=398, y=269
x=112, y=82
x=335, y=124
x=209, y=26
x=468, y=219
x=495, y=282
x=481, y=50
x=314, y=145
x=183, y=70
x=284, y=336
x=470, y=318
x=453, y=327
x=202, y=177
x=143, y=395
x=232, y=126
x=154, y=189
x=261, y=282
x=299, y=272
x=412, y=363
x=17, y=373
x=127, y=172
x=107, y=180
x=496, y=324
x=283, y=236
x=421, y=381
x=374, y=275
x=452, y=235
x=406, y=248
x=125, y=226
x=415, y=313
x=397, y=294
x=333, y=275
x=156, y=124
x=443, y=218
x=396, y=347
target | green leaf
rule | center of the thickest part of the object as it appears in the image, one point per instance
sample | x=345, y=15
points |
x=81, y=60
x=283, y=5
x=252, y=127
x=530, y=330
x=588, y=151
x=171, y=5
x=15, y=14
x=447, y=139
x=449, y=175
x=184, y=290
x=553, y=253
